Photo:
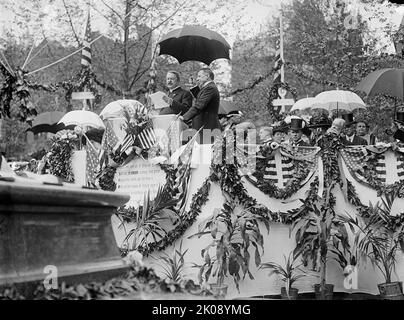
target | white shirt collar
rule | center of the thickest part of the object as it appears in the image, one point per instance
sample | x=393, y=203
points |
x=207, y=83
x=174, y=89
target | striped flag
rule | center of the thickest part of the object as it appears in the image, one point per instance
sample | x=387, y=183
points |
x=127, y=143
x=355, y=159
x=277, y=73
x=278, y=64
x=109, y=139
x=146, y=137
x=86, y=52
x=92, y=164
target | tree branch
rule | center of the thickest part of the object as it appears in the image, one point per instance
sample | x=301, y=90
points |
x=71, y=23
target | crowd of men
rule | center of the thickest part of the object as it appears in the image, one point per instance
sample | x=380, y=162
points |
x=200, y=110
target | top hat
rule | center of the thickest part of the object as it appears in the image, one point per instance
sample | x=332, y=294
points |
x=296, y=124
x=399, y=117
x=348, y=117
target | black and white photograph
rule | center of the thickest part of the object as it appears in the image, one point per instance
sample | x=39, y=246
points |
x=203, y=157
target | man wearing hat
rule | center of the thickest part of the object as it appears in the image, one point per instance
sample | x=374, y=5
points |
x=399, y=123
x=318, y=124
x=295, y=133
x=279, y=130
x=351, y=139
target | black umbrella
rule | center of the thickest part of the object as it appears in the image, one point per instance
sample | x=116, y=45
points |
x=47, y=122
x=194, y=43
x=388, y=81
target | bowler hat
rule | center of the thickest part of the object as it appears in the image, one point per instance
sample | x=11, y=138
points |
x=399, y=117
x=348, y=117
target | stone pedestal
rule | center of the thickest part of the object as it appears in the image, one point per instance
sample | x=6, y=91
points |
x=67, y=227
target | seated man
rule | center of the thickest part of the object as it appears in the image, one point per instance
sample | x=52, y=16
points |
x=351, y=139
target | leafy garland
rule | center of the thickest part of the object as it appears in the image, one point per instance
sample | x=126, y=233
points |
x=60, y=155
x=273, y=94
x=268, y=187
x=16, y=86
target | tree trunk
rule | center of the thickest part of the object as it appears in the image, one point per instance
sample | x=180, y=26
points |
x=322, y=276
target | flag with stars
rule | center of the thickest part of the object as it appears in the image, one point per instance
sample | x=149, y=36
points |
x=183, y=175
x=86, y=51
x=147, y=137
x=279, y=167
x=92, y=164
x=356, y=159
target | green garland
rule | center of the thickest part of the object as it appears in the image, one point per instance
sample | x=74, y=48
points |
x=273, y=94
x=60, y=155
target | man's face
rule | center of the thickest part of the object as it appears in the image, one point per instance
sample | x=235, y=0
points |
x=264, y=133
x=349, y=130
x=171, y=81
x=202, y=78
x=361, y=129
x=278, y=136
x=295, y=135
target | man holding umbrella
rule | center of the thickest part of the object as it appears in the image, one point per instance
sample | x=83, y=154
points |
x=204, y=112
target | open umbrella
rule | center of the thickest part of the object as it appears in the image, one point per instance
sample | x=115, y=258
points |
x=194, y=43
x=225, y=107
x=338, y=99
x=82, y=118
x=303, y=104
x=388, y=81
x=115, y=109
x=46, y=122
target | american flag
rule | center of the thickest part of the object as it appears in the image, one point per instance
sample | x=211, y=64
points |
x=280, y=168
x=183, y=174
x=127, y=143
x=92, y=164
x=277, y=73
x=355, y=159
x=278, y=65
x=146, y=137
x=109, y=139
x=86, y=51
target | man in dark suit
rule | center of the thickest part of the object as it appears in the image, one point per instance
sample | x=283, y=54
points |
x=204, y=112
x=179, y=100
x=295, y=133
x=351, y=139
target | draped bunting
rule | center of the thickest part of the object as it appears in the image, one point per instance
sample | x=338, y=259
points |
x=367, y=164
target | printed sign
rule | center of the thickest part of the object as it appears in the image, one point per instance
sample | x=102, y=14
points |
x=136, y=178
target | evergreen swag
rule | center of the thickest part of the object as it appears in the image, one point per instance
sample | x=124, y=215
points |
x=60, y=155
x=268, y=187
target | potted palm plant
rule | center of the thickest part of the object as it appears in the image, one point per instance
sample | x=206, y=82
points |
x=288, y=276
x=378, y=238
x=317, y=233
x=232, y=237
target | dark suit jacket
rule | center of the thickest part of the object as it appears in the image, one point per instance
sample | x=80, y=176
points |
x=204, y=112
x=182, y=101
x=357, y=141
